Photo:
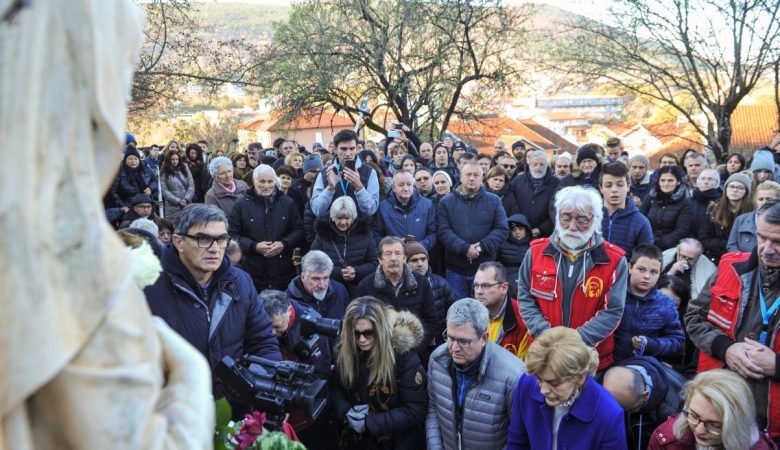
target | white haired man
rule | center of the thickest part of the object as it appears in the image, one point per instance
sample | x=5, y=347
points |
x=574, y=278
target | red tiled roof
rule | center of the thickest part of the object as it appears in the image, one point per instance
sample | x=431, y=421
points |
x=304, y=121
x=753, y=127
x=482, y=132
x=550, y=135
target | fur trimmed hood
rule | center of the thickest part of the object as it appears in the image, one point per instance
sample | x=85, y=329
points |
x=407, y=330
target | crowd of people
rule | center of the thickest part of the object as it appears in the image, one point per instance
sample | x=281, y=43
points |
x=504, y=300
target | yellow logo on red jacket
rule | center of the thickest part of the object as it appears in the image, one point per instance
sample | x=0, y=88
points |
x=594, y=287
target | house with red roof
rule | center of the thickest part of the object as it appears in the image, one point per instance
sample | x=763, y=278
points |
x=482, y=132
x=306, y=128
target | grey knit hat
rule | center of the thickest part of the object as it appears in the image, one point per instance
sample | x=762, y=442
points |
x=641, y=158
x=762, y=160
x=740, y=177
x=312, y=162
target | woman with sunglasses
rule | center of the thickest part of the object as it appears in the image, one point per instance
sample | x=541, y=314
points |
x=718, y=413
x=379, y=387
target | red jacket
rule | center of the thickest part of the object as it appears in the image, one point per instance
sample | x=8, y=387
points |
x=724, y=314
x=587, y=301
x=515, y=338
x=663, y=439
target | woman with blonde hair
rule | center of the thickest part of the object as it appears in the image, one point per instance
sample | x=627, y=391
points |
x=558, y=404
x=379, y=388
x=719, y=413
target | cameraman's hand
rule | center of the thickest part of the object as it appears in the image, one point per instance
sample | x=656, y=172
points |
x=352, y=177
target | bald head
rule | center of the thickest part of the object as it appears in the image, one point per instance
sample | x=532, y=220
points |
x=627, y=386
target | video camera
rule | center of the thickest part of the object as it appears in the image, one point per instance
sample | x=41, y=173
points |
x=274, y=387
x=311, y=328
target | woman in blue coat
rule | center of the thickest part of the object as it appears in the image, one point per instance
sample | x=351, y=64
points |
x=558, y=405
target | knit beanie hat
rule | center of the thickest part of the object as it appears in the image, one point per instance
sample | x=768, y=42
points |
x=312, y=162
x=641, y=158
x=132, y=151
x=740, y=177
x=415, y=248
x=762, y=160
x=565, y=155
x=518, y=144
x=587, y=153
x=130, y=138
x=140, y=198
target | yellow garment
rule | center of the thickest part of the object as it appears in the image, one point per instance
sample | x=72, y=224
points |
x=495, y=329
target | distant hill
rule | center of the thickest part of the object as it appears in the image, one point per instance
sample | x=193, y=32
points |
x=254, y=21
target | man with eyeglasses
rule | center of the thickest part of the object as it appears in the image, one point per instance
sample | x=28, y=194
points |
x=575, y=278
x=471, y=382
x=506, y=327
x=688, y=263
x=423, y=180
x=204, y=298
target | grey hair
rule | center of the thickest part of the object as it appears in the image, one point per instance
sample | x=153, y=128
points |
x=535, y=154
x=715, y=173
x=692, y=242
x=732, y=398
x=468, y=311
x=218, y=162
x=445, y=175
x=146, y=225
x=274, y=302
x=580, y=198
x=198, y=214
x=316, y=261
x=499, y=271
x=265, y=168
x=341, y=204
x=696, y=155
x=769, y=212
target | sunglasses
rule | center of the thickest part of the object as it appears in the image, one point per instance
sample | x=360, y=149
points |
x=368, y=334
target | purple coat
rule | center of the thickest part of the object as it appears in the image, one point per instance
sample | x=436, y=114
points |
x=594, y=422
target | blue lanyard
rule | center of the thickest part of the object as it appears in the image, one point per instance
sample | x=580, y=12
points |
x=766, y=313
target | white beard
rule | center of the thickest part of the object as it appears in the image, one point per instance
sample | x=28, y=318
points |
x=537, y=175
x=574, y=240
x=319, y=295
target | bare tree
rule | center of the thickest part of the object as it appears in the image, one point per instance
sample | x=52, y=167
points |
x=176, y=51
x=415, y=61
x=694, y=56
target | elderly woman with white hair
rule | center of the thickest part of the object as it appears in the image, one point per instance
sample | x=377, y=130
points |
x=225, y=189
x=267, y=227
x=346, y=237
x=575, y=278
x=718, y=413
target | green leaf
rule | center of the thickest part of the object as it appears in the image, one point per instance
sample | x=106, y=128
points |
x=223, y=412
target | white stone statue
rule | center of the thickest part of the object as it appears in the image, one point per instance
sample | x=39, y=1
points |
x=83, y=365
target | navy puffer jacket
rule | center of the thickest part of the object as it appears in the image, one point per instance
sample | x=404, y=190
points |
x=467, y=219
x=655, y=317
x=626, y=228
x=419, y=221
x=442, y=300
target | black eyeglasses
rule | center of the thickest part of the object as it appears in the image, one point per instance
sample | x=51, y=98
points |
x=206, y=241
x=463, y=343
x=714, y=428
x=368, y=334
x=509, y=166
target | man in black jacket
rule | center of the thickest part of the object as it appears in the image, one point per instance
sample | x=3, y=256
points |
x=534, y=192
x=417, y=259
x=210, y=303
x=396, y=284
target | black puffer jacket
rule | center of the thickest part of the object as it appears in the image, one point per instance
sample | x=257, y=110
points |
x=254, y=219
x=507, y=198
x=669, y=215
x=534, y=205
x=354, y=248
x=442, y=300
x=400, y=425
x=713, y=237
x=512, y=250
x=130, y=182
x=415, y=295
x=700, y=209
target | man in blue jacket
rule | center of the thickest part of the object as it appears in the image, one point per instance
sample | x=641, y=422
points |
x=406, y=213
x=472, y=226
x=210, y=303
x=623, y=224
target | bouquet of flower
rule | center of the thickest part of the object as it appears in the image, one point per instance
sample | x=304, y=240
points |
x=248, y=434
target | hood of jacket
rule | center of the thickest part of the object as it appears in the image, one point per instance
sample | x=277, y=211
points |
x=678, y=195
x=660, y=383
x=407, y=330
x=297, y=290
x=707, y=196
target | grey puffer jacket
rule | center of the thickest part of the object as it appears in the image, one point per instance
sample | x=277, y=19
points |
x=485, y=415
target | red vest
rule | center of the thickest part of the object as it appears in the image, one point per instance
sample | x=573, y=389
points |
x=589, y=299
x=724, y=314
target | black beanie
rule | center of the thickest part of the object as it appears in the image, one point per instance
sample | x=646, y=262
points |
x=132, y=151
x=587, y=153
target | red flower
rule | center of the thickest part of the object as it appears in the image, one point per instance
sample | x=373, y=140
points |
x=253, y=423
x=245, y=440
